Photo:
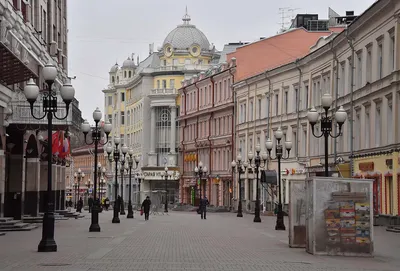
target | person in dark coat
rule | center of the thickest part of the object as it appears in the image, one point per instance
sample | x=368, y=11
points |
x=90, y=203
x=203, y=207
x=146, y=207
x=106, y=203
x=80, y=205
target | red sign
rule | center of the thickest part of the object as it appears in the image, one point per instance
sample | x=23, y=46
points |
x=367, y=166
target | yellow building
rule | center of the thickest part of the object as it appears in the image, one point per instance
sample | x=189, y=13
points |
x=384, y=168
x=142, y=103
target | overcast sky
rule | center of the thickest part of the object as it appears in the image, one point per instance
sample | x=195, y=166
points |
x=102, y=32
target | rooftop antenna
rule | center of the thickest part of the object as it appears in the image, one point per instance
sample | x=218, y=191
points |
x=286, y=15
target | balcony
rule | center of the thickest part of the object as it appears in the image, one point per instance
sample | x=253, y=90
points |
x=163, y=91
x=182, y=67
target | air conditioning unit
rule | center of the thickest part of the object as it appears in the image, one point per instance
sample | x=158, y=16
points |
x=27, y=2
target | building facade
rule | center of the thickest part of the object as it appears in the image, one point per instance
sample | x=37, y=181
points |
x=32, y=34
x=359, y=68
x=143, y=104
x=206, y=117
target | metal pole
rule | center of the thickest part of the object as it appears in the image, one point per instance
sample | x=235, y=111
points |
x=257, y=217
x=116, y=207
x=94, y=226
x=48, y=244
x=130, y=209
x=326, y=137
x=280, y=224
x=240, y=211
x=122, y=212
x=166, y=192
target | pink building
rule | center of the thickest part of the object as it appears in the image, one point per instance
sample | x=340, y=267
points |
x=207, y=134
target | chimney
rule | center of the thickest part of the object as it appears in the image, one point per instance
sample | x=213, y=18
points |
x=151, y=48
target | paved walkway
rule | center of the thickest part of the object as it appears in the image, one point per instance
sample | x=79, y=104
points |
x=181, y=241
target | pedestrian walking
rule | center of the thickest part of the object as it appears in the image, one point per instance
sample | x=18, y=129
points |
x=203, y=207
x=107, y=203
x=80, y=205
x=146, y=207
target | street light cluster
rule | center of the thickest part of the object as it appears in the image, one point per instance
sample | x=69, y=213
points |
x=50, y=106
x=199, y=171
x=116, y=155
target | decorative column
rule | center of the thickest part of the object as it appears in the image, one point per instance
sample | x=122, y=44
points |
x=172, y=156
x=153, y=155
x=2, y=181
x=31, y=199
x=62, y=187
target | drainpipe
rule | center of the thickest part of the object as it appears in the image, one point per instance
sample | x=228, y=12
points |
x=298, y=108
x=233, y=124
x=209, y=132
x=336, y=98
x=350, y=42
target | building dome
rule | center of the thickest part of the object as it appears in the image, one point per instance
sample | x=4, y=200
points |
x=185, y=36
x=114, y=68
x=129, y=64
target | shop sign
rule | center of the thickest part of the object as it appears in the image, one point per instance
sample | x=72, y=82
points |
x=156, y=175
x=366, y=166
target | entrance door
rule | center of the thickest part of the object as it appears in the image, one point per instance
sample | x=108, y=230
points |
x=388, y=194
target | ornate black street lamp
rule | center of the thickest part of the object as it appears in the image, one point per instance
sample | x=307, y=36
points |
x=139, y=181
x=239, y=167
x=114, y=155
x=257, y=165
x=96, y=140
x=131, y=158
x=165, y=175
x=327, y=123
x=280, y=223
x=199, y=171
x=122, y=168
x=101, y=171
x=78, y=176
x=50, y=106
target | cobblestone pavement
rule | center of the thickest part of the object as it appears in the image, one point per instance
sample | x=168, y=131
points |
x=181, y=241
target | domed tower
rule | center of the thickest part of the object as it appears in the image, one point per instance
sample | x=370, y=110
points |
x=186, y=44
x=128, y=67
x=113, y=73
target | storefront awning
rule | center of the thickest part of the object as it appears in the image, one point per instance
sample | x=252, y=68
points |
x=12, y=69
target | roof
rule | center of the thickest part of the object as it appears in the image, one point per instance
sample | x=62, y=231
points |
x=274, y=51
x=186, y=35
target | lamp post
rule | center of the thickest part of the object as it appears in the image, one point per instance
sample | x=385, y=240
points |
x=280, y=223
x=326, y=124
x=257, y=165
x=199, y=171
x=88, y=184
x=131, y=158
x=96, y=140
x=50, y=106
x=114, y=155
x=239, y=167
x=79, y=177
x=122, y=171
x=102, y=173
x=139, y=180
x=165, y=175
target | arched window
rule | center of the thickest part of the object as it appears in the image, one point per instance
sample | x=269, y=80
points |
x=129, y=118
x=130, y=74
x=125, y=74
x=113, y=79
x=117, y=79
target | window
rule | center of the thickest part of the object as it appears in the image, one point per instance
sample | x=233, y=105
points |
x=109, y=118
x=342, y=77
x=164, y=62
x=285, y=107
x=250, y=143
x=296, y=99
x=390, y=136
x=378, y=126
x=164, y=84
x=380, y=60
x=367, y=126
x=122, y=97
x=357, y=130
x=251, y=111
x=175, y=62
x=130, y=74
x=124, y=74
x=122, y=118
x=304, y=142
x=276, y=104
x=110, y=101
x=245, y=112
x=158, y=84
x=306, y=97
x=294, y=140
x=259, y=108
x=369, y=65
x=359, y=70
x=172, y=83
x=392, y=51
x=349, y=81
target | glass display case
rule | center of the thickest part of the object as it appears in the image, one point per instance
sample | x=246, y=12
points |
x=297, y=213
x=339, y=217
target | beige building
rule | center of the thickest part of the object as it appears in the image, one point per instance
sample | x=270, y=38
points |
x=359, y=68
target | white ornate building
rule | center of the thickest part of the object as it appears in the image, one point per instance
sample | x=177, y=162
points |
x=142, y=102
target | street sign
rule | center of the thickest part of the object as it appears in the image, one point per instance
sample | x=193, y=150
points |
x=90, y=190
